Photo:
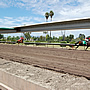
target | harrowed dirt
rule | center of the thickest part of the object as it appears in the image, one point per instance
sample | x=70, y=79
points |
x=74, y=62
x=48, y=79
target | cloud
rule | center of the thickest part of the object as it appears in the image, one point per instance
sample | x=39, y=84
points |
x=19, y=21
x=2, y=4
x=63, y=9
x=10, y=21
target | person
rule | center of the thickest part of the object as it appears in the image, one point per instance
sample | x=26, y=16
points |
x=86, y=39
x=84, y=42
x=20, y=40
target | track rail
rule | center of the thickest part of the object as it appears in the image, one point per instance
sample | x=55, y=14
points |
x=35, y=43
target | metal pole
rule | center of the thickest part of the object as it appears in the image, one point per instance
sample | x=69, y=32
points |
x=50, y=36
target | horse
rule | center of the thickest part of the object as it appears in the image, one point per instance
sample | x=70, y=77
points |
x=88, y=44
x=20, y=40
x=83, y=43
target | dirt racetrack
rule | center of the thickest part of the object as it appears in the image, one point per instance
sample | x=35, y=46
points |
x=62, y=60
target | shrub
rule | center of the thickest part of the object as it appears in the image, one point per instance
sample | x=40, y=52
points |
x=26, y=41
x=37, y=41
x=13, y=40
x=72, y=42
x=63, y=43
x=3, y=39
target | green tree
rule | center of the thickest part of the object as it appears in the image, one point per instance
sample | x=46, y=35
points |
x=82, y=36
x=71, y=37
x=13, y=39
x=9, y=38
x=34, y=38
x=45, y=32
x=17, y=37
x=67, y=39
x=27, y=35
x=42, y=38
x=60, y=38
x=51, y=14
x=46, y=15
x=47, y=37
x=55, y=38
x=63, y=35
x=1, y=36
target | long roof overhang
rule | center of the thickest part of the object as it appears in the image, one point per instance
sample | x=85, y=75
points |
x=51, y=26
x=7, y=30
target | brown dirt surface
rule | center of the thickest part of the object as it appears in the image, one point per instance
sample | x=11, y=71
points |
x=74, y=62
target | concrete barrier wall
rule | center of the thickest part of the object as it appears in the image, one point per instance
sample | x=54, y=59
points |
x=4, y=87
x=12, y=82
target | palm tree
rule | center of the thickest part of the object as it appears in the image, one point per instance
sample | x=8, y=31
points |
x=27, y=35
x=51, y=14
x=46, y=15
x=45, y=32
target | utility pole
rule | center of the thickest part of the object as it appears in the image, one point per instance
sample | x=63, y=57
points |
x=63, y=34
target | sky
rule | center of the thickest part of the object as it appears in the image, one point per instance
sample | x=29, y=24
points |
x=25, y=12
